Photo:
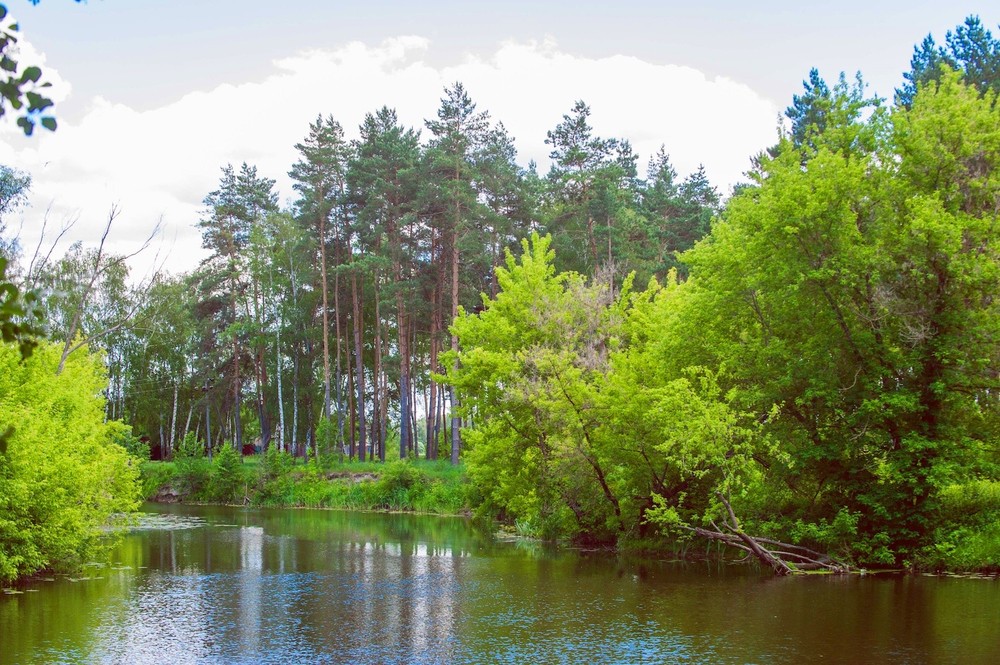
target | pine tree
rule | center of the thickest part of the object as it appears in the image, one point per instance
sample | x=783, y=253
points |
x=458, y=136
x=241, y=201
x=320, y=179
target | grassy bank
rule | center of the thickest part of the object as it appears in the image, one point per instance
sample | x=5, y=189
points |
x=277, y=480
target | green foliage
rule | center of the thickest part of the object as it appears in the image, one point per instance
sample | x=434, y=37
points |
x=19, y=315
x=969, y=49
x=62, y=477
x=835, y=536
x=135, y=447
x=399, y=484
x=21, y=86
x=156, y=476
x=227, y=482
x=190, y=448
x=273, y=477
x=326, y=438
x=977, y=497
x=855, y=286
x=965, y=548
x=223, y=479
x=968, y=533
x=827, y=366
x=191, y=467
x=277, y=481
x=274, y=463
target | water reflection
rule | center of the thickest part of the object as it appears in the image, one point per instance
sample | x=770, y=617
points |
x=215, y=585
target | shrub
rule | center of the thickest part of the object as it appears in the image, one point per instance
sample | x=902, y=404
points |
x=62, y=478
x=399, y=485
x=190, y=447
x=192, y=470
x=135, y=446
x=326, y=439
x=227, y=481
x=274, y=463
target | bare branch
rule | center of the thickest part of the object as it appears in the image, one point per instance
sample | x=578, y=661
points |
x=35, y=266
x=100, y=268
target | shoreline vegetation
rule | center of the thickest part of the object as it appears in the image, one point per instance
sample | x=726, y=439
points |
x=277, y=480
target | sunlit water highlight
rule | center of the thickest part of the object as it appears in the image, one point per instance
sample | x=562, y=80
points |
x=225, y=585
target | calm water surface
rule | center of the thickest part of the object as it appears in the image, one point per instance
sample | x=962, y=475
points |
x=225, y=585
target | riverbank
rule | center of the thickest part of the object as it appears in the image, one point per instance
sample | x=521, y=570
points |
x=276, y=480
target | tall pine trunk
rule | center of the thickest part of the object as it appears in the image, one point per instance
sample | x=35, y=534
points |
x=359, y=378
x=339, y=367
x=456, y=423
x=326, y=317
x=378, y=440
x=404, y=366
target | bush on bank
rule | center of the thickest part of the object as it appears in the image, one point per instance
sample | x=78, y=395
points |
x=63, y=475
x=275, y=479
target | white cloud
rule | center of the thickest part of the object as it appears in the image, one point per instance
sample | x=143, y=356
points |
x=162, y=162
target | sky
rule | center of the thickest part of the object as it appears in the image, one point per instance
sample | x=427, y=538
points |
x=155, y=96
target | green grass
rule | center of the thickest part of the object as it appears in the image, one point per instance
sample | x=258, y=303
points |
x=968, y=537
x=275, y=480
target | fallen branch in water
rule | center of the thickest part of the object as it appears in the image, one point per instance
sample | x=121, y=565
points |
x=782, y=558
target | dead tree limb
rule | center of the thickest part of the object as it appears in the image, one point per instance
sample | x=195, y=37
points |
x=782, y=558
x=101, y=266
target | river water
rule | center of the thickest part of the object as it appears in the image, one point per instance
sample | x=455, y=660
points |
x=199, y=584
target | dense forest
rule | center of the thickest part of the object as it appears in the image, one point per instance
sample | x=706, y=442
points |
x=318, y=329
x=612, y=355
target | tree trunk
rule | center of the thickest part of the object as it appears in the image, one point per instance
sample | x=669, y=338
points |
x=359, y=366
x=404, y=375
x=326, y=317
x=350, y=409
x=378, y=441
x=383, y=417
x=173, y=423
x=237, y=385
x=294, y=443
x=208, y=422
x=456, y=423
x=187, y=422
x=262, y=415
x=774, y=554
x=340, y=373
x=281, y=395
x=435, y=341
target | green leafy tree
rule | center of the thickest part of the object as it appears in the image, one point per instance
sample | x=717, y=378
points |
x=62, y=476
x=152, y=378
x=826, y=111
x=674, y=216
x=532, y=365
x=855, y=290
